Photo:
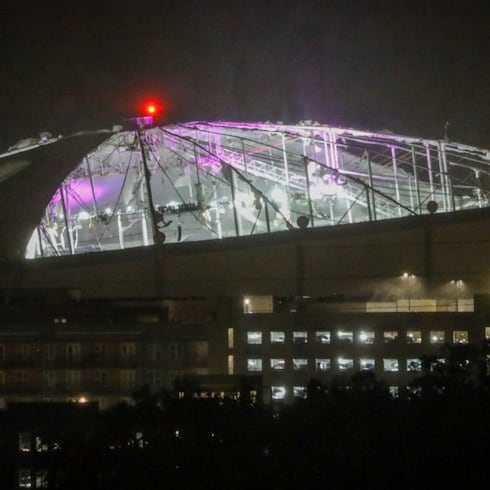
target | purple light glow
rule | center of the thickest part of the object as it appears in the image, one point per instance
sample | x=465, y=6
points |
x=78, y=192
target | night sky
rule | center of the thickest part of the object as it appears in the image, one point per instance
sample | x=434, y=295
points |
x=402, y=66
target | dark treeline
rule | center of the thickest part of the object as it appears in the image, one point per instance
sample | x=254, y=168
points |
x=434, y=435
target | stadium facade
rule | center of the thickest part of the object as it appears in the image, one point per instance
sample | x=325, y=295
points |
x=145, y=256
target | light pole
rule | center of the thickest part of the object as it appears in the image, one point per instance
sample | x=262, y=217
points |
x=410, y=278
x=458, y=285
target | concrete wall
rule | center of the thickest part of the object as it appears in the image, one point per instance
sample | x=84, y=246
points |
x=366, y=258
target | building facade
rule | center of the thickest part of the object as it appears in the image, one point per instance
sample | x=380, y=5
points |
x=330, y=341
x=103, y=362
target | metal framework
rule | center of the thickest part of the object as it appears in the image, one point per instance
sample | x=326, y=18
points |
x=209, y=180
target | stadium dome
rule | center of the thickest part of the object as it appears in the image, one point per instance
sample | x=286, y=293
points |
x=211, y=180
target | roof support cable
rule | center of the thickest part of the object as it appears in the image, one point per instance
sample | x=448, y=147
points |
x=241, y=177
x=350, y=207
x=181, y=197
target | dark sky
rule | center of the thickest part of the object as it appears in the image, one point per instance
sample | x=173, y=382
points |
x=404, y=66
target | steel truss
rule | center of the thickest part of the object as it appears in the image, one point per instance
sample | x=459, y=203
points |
x=207, y=180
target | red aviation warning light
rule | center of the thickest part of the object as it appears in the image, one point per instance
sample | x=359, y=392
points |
x=150, y=109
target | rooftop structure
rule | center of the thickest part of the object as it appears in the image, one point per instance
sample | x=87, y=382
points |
x=203, y=180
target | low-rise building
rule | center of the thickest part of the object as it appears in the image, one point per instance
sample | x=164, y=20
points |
x=103, y=362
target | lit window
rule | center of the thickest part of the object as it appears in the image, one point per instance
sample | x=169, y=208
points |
x=414, y=337
x=393, y=391
x=41, y=446
x=460, y=337
x=414, y=365
x=299, y=391
x=390, y=336
x=278, y=364
x=322, y=364
x=322, y=337
x=436, y=336
x=41, y=479
x=366, y=337
x=278, y=392
x=345, y=364
x=24, y=442
x=366, y=364
x=437, y=365
x=277, y=337
x=413, y=391
x=254, y=337
x=390, y=365
x=300, y=337
x=299, y=364
x=139, y=439
x=246, y=305
x=254, y=365
x=345, y=336
x=25, y=479
x=258, y=304
x=487, y=334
